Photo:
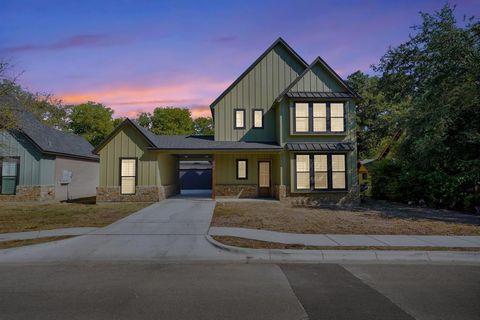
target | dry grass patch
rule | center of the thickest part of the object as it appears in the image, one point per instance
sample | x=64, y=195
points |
x=32, y=217
x=285, y=218
x=256, y=244
x=27, y=242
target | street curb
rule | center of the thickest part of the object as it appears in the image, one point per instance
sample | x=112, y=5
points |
x=349, y=255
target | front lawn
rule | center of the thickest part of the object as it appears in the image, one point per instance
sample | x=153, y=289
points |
x=32, y=217
x=285, y=218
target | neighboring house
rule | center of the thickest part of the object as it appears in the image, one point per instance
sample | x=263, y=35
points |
x=283, y=129
x=39, y=163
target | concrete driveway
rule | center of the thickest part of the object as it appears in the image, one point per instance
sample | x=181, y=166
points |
x=171, y=229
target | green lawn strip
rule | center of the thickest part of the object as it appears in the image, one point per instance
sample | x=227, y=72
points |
x=257, y=244
x=27, y=242
x=33, y=217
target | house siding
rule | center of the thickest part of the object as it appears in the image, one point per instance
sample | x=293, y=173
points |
x=127, y=143
x=317, y=79
x=36, y=169
x=257, y=90
x=84, y=178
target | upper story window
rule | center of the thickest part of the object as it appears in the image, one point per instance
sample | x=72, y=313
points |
x=239, y=118
x=257, y=118
x=128, y=175
x=302, y=117
x=319, y=117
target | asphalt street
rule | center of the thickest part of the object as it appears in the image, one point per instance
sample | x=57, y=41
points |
x=239, y=291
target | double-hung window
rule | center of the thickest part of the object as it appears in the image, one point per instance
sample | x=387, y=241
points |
x=239, y=118
x=257, y=118
x=319, y=117
x=302, y=123
x=9, y=172
x=314, y=172
x=128, y=175
x=242, y=169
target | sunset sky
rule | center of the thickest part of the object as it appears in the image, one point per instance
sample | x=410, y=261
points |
x=137, y=55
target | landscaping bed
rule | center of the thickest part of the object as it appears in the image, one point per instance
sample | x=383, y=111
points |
x=256, y=244
x=276, y=216
x=33, y=217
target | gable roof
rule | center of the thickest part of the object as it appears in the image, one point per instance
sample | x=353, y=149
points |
x=187, y=142
x=279, y=41
x=332, y=72
x=51, y=141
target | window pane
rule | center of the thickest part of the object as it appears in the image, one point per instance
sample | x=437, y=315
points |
x=319, y=109
x=128, y=185
x=320, y=162
x=321, y=180
x=301, y=110
x=338, y=162
x=336, y=109
x=128, y=167
x=319, y=124
x=257, y=121
x=303, y=180
x=338, y=180
x=264, y=174
x=242, y=169
x=9, y=167
x=336, y=124
x=301, y=125
x=303, y=163
x=239, y=115
x=8, y=185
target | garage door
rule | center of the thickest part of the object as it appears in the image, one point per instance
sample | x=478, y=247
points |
x=196, y=179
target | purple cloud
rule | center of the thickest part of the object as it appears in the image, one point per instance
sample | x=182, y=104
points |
x=77, y=41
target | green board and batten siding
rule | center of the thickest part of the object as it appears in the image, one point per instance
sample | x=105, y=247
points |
x=317, y=79
x=35, y=169
x=257, y=90
x=127, y=143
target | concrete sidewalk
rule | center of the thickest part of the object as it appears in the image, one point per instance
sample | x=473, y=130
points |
x=340, y=240
x=45, y=233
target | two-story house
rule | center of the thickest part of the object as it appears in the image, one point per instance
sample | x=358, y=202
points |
x=283, y=129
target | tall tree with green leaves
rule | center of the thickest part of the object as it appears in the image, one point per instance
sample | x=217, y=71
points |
x=376, y=118
x=203, y=126
x=91, y=120
x=435, y=76
x=171, y=121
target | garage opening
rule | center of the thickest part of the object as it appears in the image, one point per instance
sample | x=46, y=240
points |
x=195, y=178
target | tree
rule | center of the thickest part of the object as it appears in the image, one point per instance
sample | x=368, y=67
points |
x=145, y=120
x=171, y=121
x=91, y=120
x=435, y=76
x=117, y=121
x=203, y=126
x=376, y=118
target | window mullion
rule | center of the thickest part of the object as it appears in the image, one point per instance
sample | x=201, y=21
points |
x=329, y=171
x=328, y=116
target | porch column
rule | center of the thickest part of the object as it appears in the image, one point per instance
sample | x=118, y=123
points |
x=214, y=177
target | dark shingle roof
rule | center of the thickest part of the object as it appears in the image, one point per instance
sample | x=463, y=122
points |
x=329, y=95
x=190, y=142
x=53, y=141
x=340, y=146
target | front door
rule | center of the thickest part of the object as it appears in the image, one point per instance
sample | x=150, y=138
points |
x=264, y=188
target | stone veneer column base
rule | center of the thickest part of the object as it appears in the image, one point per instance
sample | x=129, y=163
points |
x=345, y=198
x=236, y=190
x=30, y=193
x=142, y=194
